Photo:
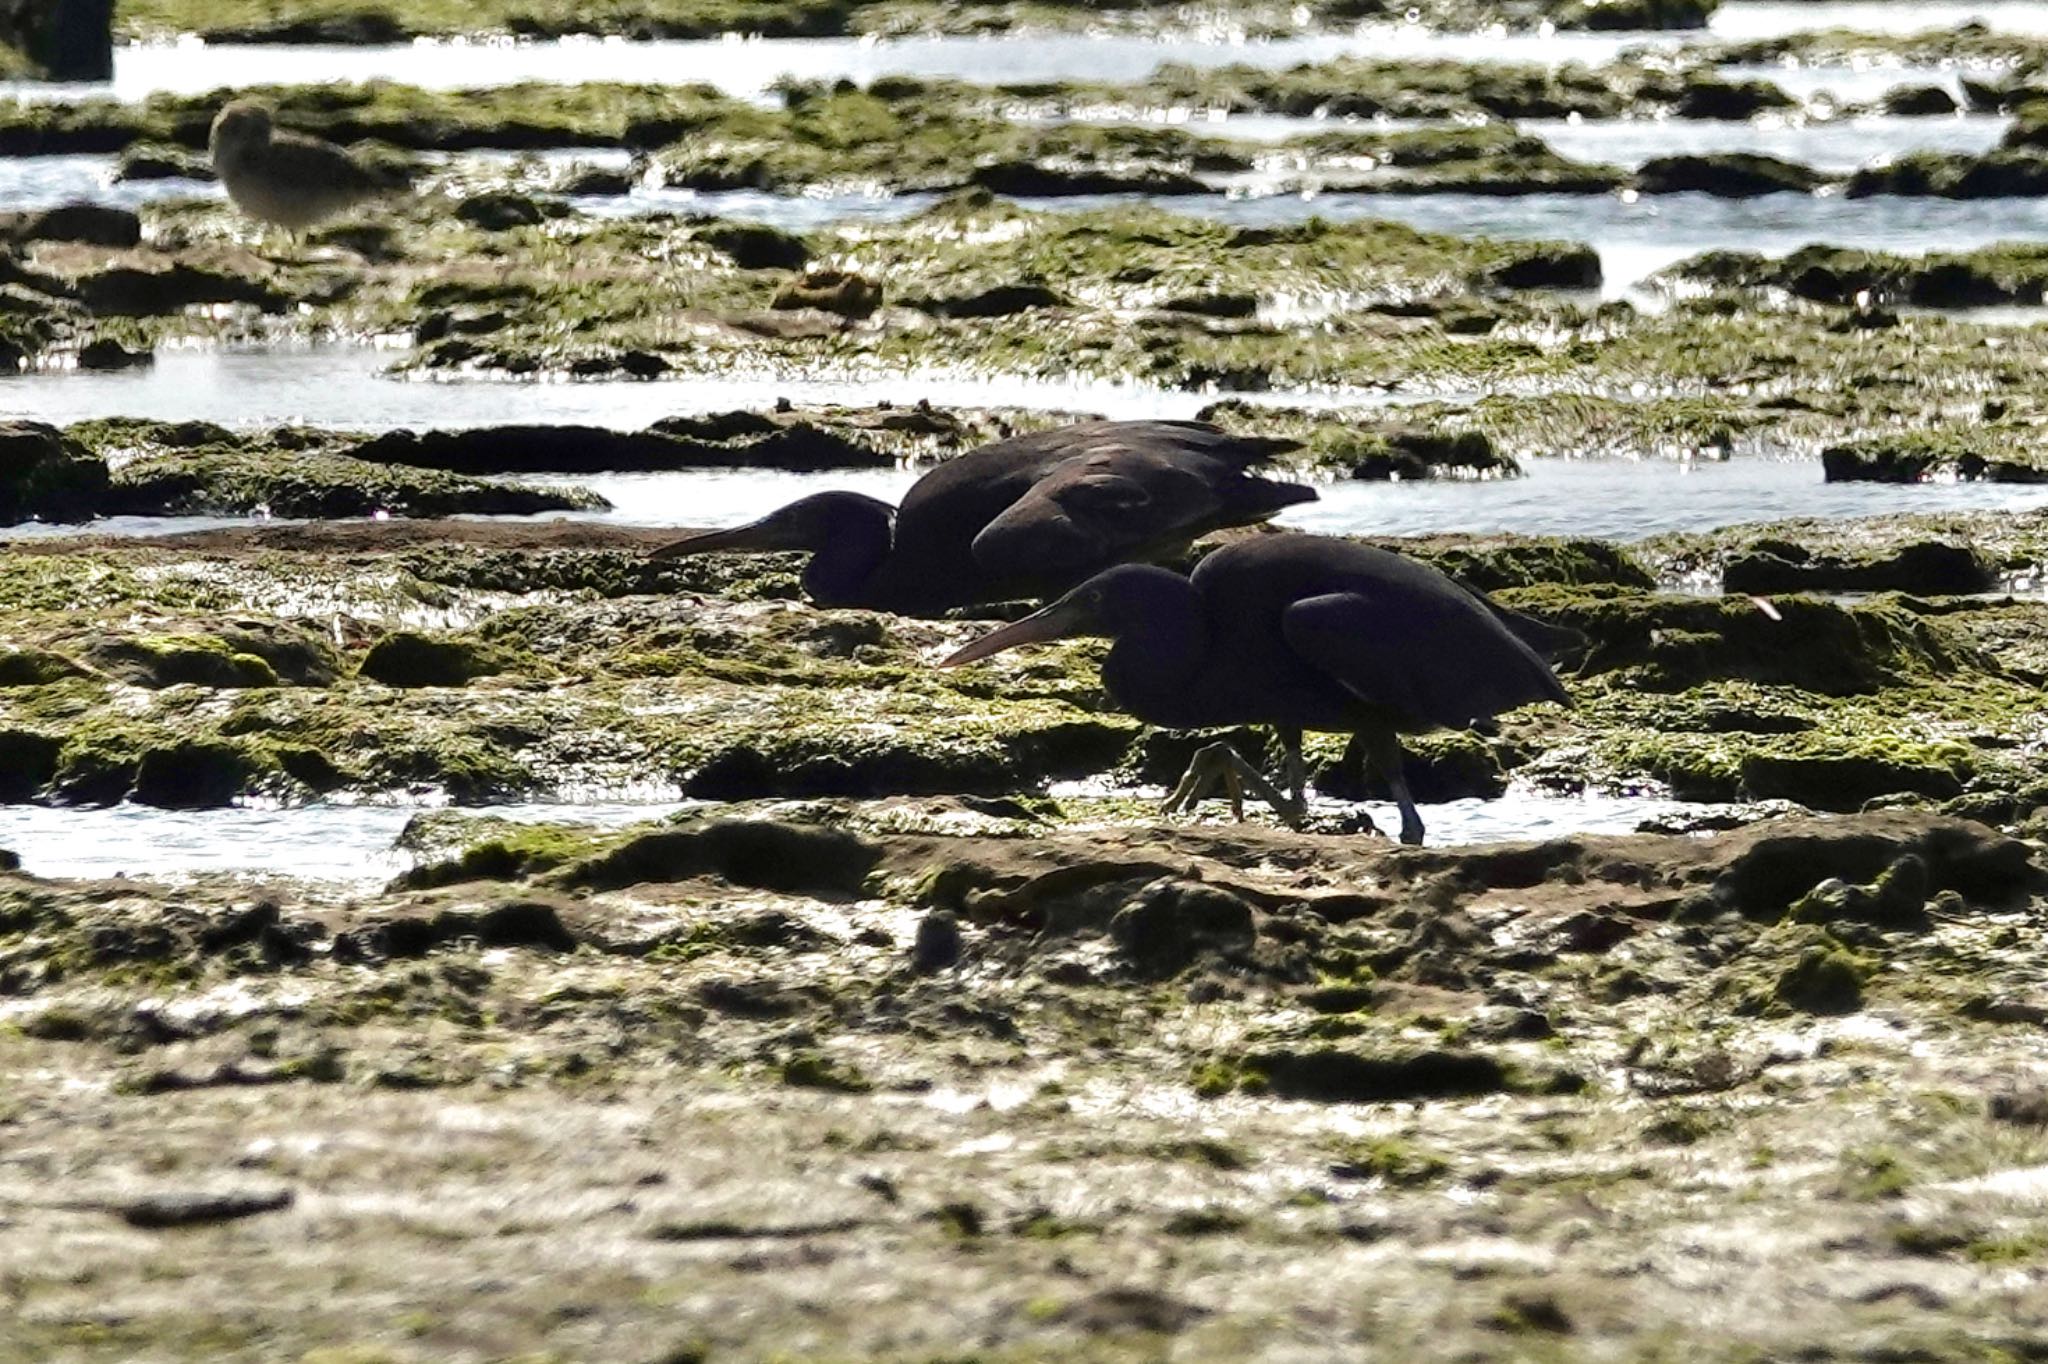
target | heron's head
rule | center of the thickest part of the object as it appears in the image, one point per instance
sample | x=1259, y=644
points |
x=1109, y=604
x=241, y=125
x=811, y=523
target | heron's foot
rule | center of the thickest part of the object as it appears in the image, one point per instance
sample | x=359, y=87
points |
x=1352, y=821
x=1220, y=765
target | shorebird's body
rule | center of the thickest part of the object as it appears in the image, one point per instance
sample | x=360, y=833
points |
x=1301, y=633
x=285, y=179
x=1024, y=518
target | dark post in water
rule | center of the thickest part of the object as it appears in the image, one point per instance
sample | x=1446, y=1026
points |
x=69, y=40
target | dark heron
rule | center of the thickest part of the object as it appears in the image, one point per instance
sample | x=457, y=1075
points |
x=1300, y=632
x=1026, y=517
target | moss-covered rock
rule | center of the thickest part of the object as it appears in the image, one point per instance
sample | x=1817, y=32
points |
x=240, y=477
x=406, y=658
x=768, y=854
x=1627, y=15
x=1993, y=453
x=46, y=476
x=1726, y=175
x=1670, y=642
x=1927, y=567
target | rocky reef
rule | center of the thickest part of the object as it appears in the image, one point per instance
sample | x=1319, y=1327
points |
x=1097, y=1094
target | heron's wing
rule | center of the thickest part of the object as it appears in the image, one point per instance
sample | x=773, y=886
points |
x=1440, y=656
x=1099, y=508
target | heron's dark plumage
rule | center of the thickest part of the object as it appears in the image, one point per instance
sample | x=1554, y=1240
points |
x=1303, y=633
x=1025, y=517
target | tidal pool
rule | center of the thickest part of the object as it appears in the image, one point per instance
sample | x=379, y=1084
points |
x=355, y=844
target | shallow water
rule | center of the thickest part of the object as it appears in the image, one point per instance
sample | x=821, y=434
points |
x=32, y=182
x=352, y=843
x=1608, y=498
x=1834, y=145
x=346, y=386
x=752, y=66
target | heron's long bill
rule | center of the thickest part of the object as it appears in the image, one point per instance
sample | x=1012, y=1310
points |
x=1057, y=621
x=758, y=537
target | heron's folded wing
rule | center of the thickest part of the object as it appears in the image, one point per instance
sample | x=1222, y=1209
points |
x=1099, y=508
x=1443, y=658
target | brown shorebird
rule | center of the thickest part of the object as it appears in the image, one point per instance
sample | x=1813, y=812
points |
x=283, y=178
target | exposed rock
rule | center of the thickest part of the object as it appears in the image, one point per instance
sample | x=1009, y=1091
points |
x=252, y=478
x=1003, y=300
x=1897, y=899
x=1214, y=304
x=1630, y=15
x=1920, y=101
x=406, y=658
x=1926, y=567
x=831, y=291
x=1338, y=1075
x=938, y=942
x=1716, y=99
x=45, y=475
x=676, y=443
x=92, y=224
x=1770, y=867
x=503, y=210
x=158, y=1212
x=1726, y=175
x=1171, y=923
x=157, y=161
x=1550, y=267
x=1992, y=454
x=28, y=762
x=762, y=853
x=161, y=287
x=109, y=354
x=756, y=246
x=1036, y=180
x=192, y=774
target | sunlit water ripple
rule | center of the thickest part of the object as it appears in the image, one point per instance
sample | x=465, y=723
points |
x=353, y=843
x=752, y=67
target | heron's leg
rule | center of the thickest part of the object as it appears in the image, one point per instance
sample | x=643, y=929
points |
x=1295, y=769
x=1220, y=764
x=1352, y=766
x=1384, y=754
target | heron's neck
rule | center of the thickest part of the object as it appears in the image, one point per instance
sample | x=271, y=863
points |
x=839, y=570
x=1152, y=668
